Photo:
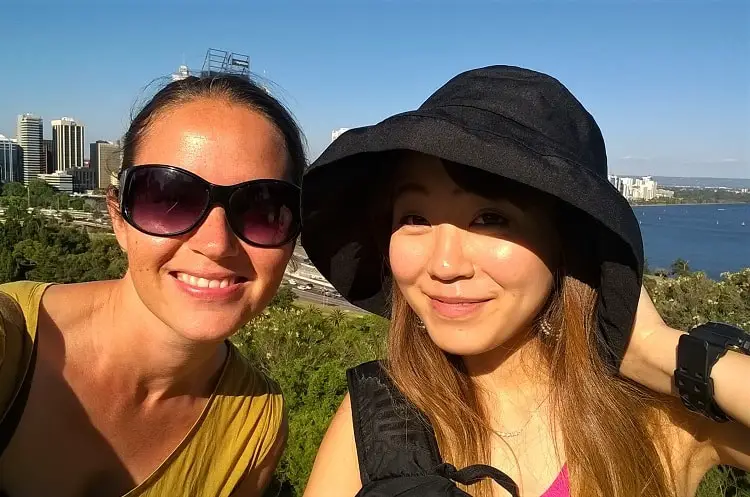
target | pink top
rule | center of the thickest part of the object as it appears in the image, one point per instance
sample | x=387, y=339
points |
x=560, y=487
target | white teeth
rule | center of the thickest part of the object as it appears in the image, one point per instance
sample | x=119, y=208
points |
x=199, y=282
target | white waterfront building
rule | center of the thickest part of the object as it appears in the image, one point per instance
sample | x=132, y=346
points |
x=643, y=188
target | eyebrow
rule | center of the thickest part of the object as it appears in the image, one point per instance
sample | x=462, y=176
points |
x=417, y=188
x=409, y=188
x=412, y=187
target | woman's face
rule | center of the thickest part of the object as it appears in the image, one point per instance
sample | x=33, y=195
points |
x=207, y=283
x=476, y=270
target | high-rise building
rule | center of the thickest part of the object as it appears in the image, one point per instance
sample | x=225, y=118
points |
x=105, y=160
x=11, y=167
x=182, y=73
x=67, y=141
x=48, y=157
x=29, y=132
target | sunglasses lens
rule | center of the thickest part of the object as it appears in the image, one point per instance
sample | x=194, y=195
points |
x=164, y=201
x=266, y=213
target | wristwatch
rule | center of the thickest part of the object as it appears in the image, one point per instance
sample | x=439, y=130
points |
x=697, y=352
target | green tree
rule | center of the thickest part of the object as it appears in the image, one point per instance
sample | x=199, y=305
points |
x=680, y=267
x=60, y=201
x=13, y=210
x=32, y=228
x=338, y=318
x=76, y=204
x=307, y=352
x=14, y=189
x=284, y=298
x=12, y=233
x=41, y=193
x=70, y=240
x=8, y=265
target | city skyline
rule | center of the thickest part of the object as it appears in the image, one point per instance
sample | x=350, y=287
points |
x=667, y=83
x=60, y=161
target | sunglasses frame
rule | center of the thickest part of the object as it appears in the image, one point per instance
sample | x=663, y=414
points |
x=217, y=195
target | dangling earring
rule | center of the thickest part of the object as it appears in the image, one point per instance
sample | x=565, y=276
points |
x=420, y=324
x=546, y=329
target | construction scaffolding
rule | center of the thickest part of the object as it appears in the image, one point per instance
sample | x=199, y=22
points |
x=224, y=62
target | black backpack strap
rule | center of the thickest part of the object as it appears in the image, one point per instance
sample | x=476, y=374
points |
x=393, y=438
x=477, y=473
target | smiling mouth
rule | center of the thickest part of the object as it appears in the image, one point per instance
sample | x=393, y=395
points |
x=455, y=308
x=201, y=282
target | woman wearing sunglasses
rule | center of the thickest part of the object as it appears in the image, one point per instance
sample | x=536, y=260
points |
x=484, y=226
x=130, y=387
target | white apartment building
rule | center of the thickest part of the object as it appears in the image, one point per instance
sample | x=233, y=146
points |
x=67, y=142
x=644, y=188
x=29, y=131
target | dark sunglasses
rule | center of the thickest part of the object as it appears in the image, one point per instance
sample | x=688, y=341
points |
x=165, y=201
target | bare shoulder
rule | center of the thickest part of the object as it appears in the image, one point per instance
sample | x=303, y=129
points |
x=336, y=469
x=68, y=315
x=74, y=301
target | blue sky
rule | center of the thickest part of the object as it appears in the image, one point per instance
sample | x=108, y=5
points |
x=668, y=81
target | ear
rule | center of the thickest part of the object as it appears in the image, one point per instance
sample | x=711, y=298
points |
x=119, y=226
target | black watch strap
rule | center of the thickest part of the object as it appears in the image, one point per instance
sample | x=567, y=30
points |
x=695, y=359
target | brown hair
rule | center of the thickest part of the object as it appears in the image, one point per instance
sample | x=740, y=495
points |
x=621, y=452
x=230, y=87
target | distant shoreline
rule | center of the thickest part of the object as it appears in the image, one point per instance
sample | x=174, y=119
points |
x=691, y=203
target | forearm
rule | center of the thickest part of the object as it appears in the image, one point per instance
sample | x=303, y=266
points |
x=730, y=374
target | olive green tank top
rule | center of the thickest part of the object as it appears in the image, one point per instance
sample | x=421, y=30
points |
x=233, y=434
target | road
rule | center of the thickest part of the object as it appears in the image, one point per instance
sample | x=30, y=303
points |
x=316, y=298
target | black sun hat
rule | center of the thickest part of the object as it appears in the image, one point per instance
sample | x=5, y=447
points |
x=508, y=121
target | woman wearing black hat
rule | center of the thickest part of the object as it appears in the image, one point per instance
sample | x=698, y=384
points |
x=484, y=226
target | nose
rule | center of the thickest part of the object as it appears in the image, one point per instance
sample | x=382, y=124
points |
x=214, y=237
x=448, y=261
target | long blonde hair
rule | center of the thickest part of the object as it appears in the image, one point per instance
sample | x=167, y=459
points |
x=618, y=454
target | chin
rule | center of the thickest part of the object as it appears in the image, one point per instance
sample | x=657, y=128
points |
x=464, y=342
x=206, y=327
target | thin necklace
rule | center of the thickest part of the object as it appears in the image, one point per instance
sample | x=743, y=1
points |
x=510, y=434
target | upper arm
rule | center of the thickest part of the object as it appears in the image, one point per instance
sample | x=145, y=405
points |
x=698, y=444
x=336, y=469
x=731, y=441
x=258, y=478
